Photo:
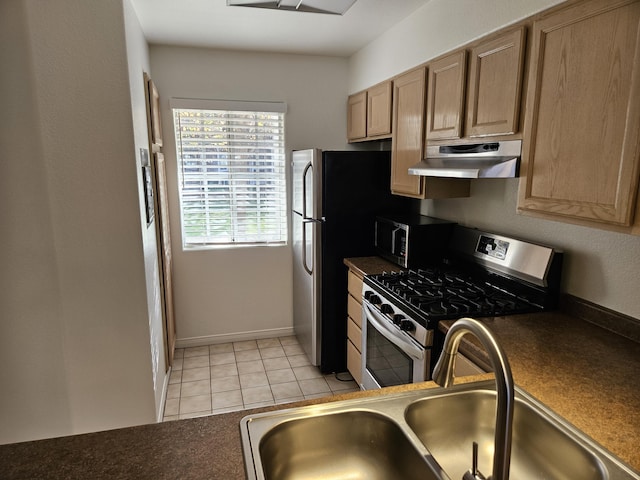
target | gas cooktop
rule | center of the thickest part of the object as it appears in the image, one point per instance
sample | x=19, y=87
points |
x=441, y=295
x=485, y=275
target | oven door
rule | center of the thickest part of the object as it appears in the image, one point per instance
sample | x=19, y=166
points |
x=390, y=357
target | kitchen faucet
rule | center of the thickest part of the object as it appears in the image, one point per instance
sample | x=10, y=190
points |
x=443, y=376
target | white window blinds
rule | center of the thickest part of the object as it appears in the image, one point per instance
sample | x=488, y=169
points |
x=231, y=166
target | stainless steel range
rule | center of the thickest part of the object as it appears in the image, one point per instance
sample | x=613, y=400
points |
x=482, y=275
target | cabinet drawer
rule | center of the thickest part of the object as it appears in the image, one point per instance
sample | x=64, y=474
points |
x=354, y=362
x=354, y=333
x=354, y=285
x=354, y=309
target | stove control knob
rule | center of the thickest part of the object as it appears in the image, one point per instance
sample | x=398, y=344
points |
x=374, y=299
x=397, y=319
x=407, y=326
x=368, y=294
x=386, y=308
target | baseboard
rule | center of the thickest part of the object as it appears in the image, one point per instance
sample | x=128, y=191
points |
x=233, y=337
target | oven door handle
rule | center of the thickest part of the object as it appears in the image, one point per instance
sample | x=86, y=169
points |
x=380, y=325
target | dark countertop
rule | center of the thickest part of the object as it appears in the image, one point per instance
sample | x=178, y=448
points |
x=585, y=373
x=370, y=265
x=196, y=448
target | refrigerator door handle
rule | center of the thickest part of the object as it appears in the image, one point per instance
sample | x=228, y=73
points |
x=304, y=190
x=306, y=222
x=304, y=246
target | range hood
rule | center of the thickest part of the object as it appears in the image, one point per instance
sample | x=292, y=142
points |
x=477, y=160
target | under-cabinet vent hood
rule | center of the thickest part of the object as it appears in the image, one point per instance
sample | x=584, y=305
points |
x=477, y=160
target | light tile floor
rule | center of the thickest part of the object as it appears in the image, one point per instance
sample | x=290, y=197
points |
x=234, y=376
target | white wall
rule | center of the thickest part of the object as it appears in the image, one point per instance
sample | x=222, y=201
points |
x=228, y=294
x=138, y=61
x=33, y=398
x=74, y=318
x=600, y=266
x=436, y=28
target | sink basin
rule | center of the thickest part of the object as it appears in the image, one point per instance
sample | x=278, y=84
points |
x=448, y=425
x=349, y=445
x=423, y=434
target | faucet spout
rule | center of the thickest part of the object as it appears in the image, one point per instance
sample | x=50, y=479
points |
x=443, y=376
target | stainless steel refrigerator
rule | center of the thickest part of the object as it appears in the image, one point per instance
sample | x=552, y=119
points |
x=336, y=196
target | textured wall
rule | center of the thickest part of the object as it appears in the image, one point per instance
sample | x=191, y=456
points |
x=436, y=28
x=74, y=338
x=599, y=266
x=225, y=294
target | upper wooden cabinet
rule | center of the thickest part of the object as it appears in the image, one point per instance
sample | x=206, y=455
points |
x=581, y=148
x=490, y=90
x=369, y=113
x=357, y=116
x=495, y=84
x=379, y=107
x=445, y=101
x=407, y=144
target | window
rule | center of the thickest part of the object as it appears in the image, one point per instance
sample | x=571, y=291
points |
x=231, y=167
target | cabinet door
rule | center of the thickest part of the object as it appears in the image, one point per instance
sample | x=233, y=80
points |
x=582, y=143
x=379, y=109
x=495, y=82
x=408, y=129
x=354, y=362
x=445, y=101
x=357, y=116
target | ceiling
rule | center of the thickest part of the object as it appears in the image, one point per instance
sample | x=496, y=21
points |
x=211, y=23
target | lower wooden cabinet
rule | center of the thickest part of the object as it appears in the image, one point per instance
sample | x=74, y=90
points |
x=354, y=362
x=354, y=326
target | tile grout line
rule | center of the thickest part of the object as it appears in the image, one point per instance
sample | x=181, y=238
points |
x=251, y=345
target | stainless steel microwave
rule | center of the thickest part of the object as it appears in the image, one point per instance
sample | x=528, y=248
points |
x=411, y=240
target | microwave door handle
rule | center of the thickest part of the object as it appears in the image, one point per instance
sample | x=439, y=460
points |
x=404, y=345
x=393, y=241
x=304, y=189
x=394, y=235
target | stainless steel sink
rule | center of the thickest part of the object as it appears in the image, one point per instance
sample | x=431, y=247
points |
x=424, y=434
x=449, y=424
x=351, y=445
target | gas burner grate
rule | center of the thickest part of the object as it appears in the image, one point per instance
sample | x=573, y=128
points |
x=439, y=294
